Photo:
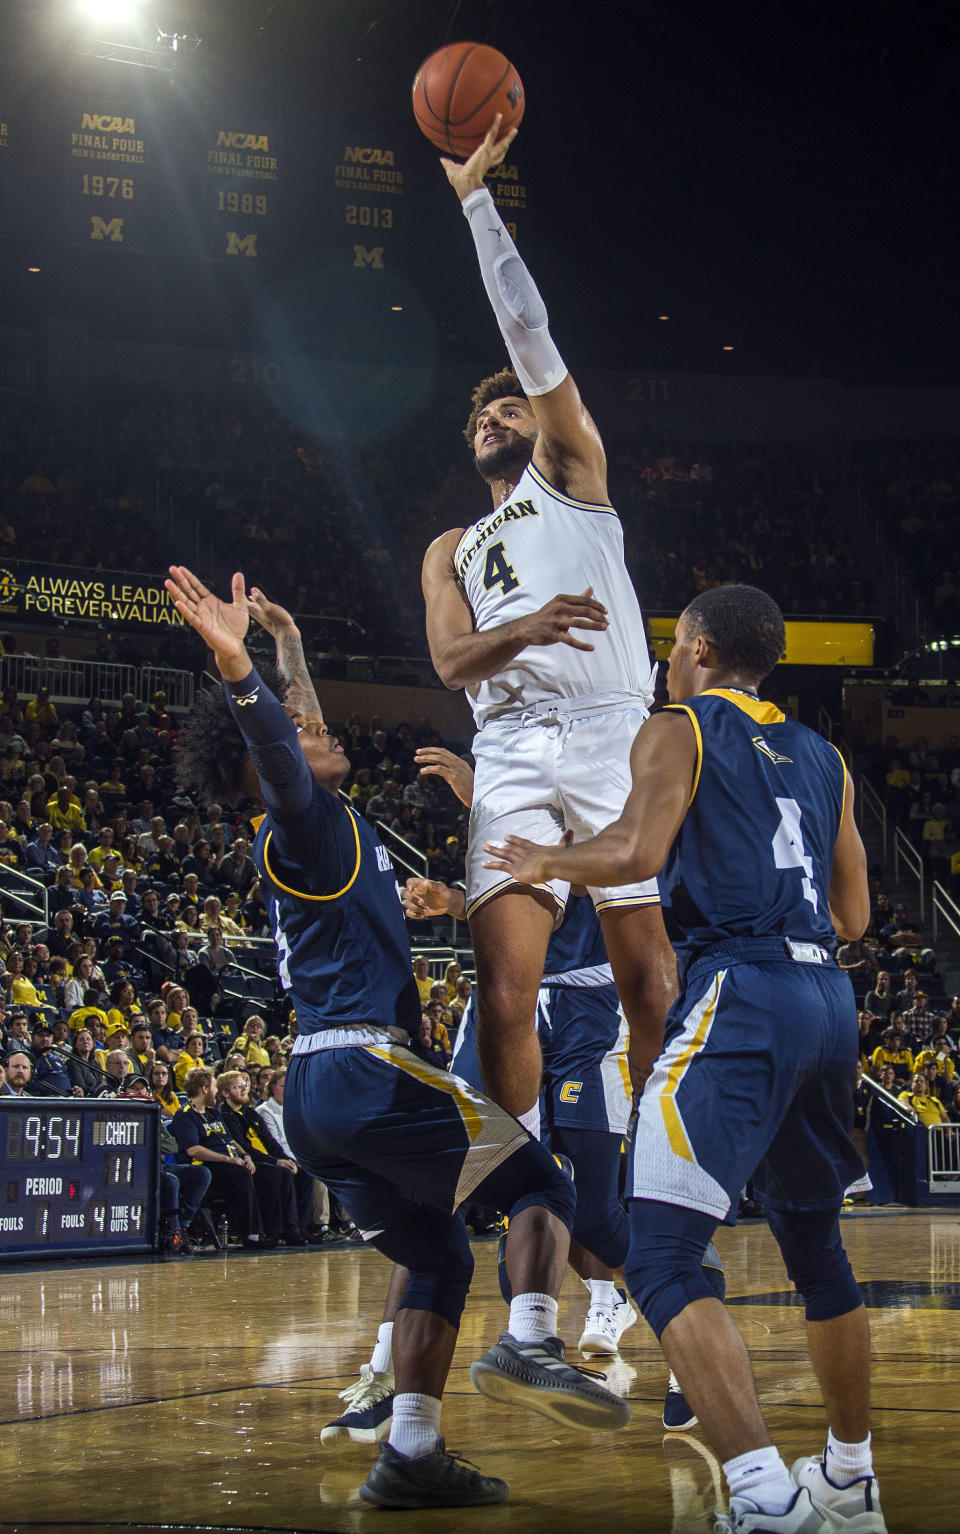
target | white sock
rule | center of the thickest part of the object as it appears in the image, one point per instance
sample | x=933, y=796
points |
x=603, y=1291
x=381, y=1360
x=416, y=1425
x=846, y=1462
x=763, y=1478
x=532, y=1317
x=531, y=1120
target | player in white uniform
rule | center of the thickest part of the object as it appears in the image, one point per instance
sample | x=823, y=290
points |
x=508, y=600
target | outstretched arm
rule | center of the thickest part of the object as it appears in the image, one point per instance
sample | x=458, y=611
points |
x=569, y=449
x=286, y=782
x=301, y=698
x=223, y=625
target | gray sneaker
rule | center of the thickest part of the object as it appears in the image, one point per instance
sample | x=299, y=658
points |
x=536, y=1374
x=435, y=1480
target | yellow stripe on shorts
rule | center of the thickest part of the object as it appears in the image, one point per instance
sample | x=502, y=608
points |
x=676, y=1133
x=431, y=1077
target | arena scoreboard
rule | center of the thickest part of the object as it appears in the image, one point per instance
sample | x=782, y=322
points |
x=77, y=1177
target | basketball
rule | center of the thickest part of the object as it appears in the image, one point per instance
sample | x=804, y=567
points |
x=459, y=90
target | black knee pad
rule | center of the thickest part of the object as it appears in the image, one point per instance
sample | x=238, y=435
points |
x=664, y=1268
x=436, y=1249
x=601, y=1221
x=816, y=1262
x=530, y=1177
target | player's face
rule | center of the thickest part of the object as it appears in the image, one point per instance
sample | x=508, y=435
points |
x=505, y=436
x=324, y=753
x=681, y=671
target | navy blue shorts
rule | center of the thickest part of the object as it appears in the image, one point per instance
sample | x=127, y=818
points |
x=385, y=1130
x=756, y=1079
x=584, y=1035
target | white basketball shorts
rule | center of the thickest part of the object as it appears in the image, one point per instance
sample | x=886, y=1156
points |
x=548, y=771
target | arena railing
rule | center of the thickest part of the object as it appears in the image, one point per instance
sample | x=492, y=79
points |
x=28, y=894
x=869, y=800
x=74, y=681
x=439, y=958
x=906, y=853
x=68, y=681
x=411, y=858
x=943, y=1153
x=826, y=727
x=178, y=686
x=945, y=910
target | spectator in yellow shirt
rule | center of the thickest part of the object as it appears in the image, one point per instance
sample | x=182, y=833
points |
x=892, y=1051
x=64, y=813
x=249, y=1043
x=103, y=849
x=421, y=974
x=41, y=711
x=929, y=1109
x=192, y=1056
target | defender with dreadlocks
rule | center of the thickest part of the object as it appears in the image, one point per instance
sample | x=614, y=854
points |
x=506, y=601
x=401, y=1143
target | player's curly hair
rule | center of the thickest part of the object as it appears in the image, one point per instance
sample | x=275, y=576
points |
x=745, y=625
x=211, y=751
x=495, y=387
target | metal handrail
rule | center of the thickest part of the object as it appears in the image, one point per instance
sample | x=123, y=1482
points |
x=870, y=800
x=904, y=851
x=415, y=861
x=39, y=906
x=74, y=681
x=945, y=907
x=943, y=1157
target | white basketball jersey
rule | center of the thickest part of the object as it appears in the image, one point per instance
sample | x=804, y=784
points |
x=511, y=562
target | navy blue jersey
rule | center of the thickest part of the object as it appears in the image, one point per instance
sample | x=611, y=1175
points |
x=754, y=855
x=329, y=886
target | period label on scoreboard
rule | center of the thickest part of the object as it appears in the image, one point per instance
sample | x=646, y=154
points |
x=242, y=162
x=107, y=155
x=367, y=184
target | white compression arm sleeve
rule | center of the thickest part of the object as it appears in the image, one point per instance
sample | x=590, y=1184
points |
x=521, y=312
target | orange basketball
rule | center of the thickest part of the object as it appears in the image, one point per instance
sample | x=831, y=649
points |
x=459, y=90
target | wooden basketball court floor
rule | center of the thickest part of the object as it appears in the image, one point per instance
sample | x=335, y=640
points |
x=190, y=1394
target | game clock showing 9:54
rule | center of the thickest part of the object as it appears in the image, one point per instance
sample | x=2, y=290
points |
x=77, y=1177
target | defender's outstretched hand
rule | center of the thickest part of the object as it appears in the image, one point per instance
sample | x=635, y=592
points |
x=223, y=625
x=468, y=177
x=270, y=615
x=435, y=761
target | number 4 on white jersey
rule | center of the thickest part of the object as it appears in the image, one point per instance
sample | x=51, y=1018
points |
x=788, y=850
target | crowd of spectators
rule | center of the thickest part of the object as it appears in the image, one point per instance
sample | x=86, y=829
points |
x=912, y=490
x=920, y=787
x=155, y=960
x=235, y=481
x=909, y=1028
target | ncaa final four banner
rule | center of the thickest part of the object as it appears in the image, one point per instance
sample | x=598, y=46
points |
x=242, y=162
x=366, y=179
x=107, y=155
x=509, y=192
